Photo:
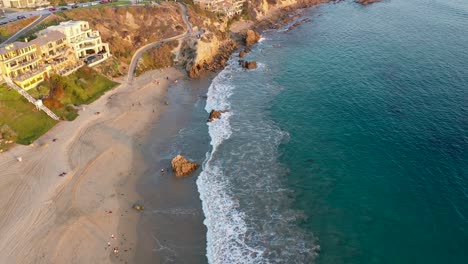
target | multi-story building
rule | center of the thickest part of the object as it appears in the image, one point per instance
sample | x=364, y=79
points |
x=53, y=49
x=85, y=42
x=61, y=49
x=20, y=62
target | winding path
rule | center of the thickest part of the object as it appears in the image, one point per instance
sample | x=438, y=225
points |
x=140, y=51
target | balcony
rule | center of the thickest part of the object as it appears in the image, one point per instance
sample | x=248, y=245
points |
x=23, y=64
x=70, y=68
x=19, y=55
x=31, y=74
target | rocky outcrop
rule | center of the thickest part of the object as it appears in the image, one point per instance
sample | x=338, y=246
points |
x=251, y=38
x=366, y=2
x=248, y=64
x=215, y=115
x=210, y=60
x=183, y=167
x=297, y=23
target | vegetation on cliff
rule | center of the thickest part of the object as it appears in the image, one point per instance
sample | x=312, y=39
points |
x=157, y=58
x=63, y=93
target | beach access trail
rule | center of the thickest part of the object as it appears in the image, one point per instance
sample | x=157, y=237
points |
x=140, y=51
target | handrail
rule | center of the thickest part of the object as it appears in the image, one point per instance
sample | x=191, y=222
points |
x=31, y=99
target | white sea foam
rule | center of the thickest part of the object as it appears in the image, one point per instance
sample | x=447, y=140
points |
x=223, y=219
x=248, y=220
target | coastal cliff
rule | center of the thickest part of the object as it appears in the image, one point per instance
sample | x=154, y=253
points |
x=216, y=43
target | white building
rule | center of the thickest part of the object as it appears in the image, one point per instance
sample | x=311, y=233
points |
x=86, y=43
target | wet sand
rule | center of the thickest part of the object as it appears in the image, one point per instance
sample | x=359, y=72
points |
x=171, y=229
x=83, y=216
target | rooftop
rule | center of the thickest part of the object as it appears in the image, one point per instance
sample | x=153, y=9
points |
x=14, y=46
x=48, y=37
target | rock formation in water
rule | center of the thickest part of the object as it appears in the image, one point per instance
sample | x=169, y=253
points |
x=241, y=54
x=215, y=115
x=182, y=167
x=248, y=64
x=251, y=38
x=366, y=2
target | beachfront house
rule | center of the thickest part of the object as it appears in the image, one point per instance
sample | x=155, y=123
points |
x=61, y=49
x=20, y=62
x=85, y=42
x=53, y=49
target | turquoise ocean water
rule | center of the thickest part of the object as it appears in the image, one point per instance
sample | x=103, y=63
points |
x=349, y=142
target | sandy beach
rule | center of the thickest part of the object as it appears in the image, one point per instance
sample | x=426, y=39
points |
x=85, y=215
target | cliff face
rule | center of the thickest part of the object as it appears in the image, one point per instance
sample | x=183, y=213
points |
x=207, y=54
x=212, y=47
x=262, y=8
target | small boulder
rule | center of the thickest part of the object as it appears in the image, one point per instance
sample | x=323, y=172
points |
x=182, y=166
x=249, y=64
x=241, y=54
x=366, y=2
x=215, y=115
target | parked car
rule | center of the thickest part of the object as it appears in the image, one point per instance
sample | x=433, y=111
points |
x=40, y=8
x=21, y=17
x=52, y=9
x=104, y=2
x=63, y=8
x=75, y=6
x=3, y=23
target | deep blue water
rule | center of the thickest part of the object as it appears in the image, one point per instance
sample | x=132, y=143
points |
x=349, y=143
